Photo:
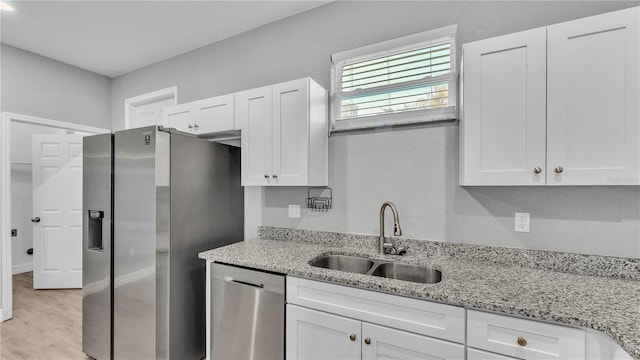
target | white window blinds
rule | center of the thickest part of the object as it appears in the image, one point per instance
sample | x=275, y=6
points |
x=397, y=81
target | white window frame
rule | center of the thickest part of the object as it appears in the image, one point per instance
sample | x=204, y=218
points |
x=389, y=47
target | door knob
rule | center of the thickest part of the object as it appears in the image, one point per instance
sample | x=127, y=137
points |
x=274, y=176
x=367, y=341
x=521, y=341
x=35, y=219
x=352, y=337
x=537, y=170
x=558, y=169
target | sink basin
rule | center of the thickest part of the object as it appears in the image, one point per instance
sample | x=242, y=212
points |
x=343, y=263
x=381, y=268
x=408, y=272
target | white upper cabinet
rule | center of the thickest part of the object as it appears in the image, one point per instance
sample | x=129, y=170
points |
x=203, y=117
x=284, y=134
x=554, y=106
x=503, y=127
x=179, y=116
x=253, y=108
x=593, y=100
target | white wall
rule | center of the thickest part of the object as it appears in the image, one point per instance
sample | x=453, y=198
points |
x=417, y=166
x=38, y=86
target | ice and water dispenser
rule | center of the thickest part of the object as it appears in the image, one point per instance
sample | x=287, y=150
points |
x=95, y=230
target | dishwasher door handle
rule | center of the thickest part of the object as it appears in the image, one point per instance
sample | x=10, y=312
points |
x=261, y=286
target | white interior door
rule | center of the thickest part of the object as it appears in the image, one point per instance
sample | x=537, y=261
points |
x=57, y=211
x=150, y=113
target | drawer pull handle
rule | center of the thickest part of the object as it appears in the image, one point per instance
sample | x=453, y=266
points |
x=367, y=341
x=352, y=337
x=522, y=341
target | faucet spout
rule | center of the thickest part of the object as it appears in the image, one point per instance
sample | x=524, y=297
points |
x=397, y=231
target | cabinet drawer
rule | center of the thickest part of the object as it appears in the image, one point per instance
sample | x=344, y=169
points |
x=418, y=316
x=521, y=338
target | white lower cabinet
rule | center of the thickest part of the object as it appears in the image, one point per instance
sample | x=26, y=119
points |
x=313, y=334
x=327, y=321
x=380, y=342
x=602, y=347
x=523, y=339
x=474, y=354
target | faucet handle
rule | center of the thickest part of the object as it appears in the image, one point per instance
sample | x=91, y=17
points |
x=400, y=250
x=392, y=249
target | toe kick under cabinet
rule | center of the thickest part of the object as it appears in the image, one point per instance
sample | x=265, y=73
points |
x=327, y=321
x=556, y=105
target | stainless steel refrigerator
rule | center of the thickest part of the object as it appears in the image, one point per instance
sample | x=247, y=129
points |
x=173, y=196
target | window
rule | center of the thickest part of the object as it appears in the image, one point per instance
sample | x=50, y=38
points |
x=405, y=80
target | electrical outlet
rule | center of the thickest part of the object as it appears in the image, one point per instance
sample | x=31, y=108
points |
x=522, y=222
x=294, y=211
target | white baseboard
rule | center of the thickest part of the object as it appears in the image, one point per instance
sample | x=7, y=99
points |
x=22, y=268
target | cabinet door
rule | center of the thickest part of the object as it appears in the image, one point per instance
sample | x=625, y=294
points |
x=473, y=354
x=504, y=110
x=215, y=115
x=253, y=115
x=180, y=117
x=385, y=343
x=593, y=78
x=291, y=132
x=317, y=335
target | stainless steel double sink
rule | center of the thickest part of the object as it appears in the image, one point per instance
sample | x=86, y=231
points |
x=381, y=268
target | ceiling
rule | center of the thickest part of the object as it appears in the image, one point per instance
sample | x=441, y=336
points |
x=115, y=37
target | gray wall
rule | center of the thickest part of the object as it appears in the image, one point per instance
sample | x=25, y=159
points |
x=38, y=86
x=417, y=166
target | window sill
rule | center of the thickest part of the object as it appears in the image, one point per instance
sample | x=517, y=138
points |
x=405, y=118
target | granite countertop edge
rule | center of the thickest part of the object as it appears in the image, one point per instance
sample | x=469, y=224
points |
x=599, y=303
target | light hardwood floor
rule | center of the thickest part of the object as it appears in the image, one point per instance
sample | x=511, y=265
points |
x=46, y=324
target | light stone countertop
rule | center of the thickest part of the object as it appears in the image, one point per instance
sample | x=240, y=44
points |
x=610, y=305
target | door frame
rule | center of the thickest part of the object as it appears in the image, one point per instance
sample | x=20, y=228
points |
x=6, y=298
x=154, y=96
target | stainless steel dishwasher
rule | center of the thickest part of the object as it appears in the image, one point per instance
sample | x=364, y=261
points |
x=247, y=315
